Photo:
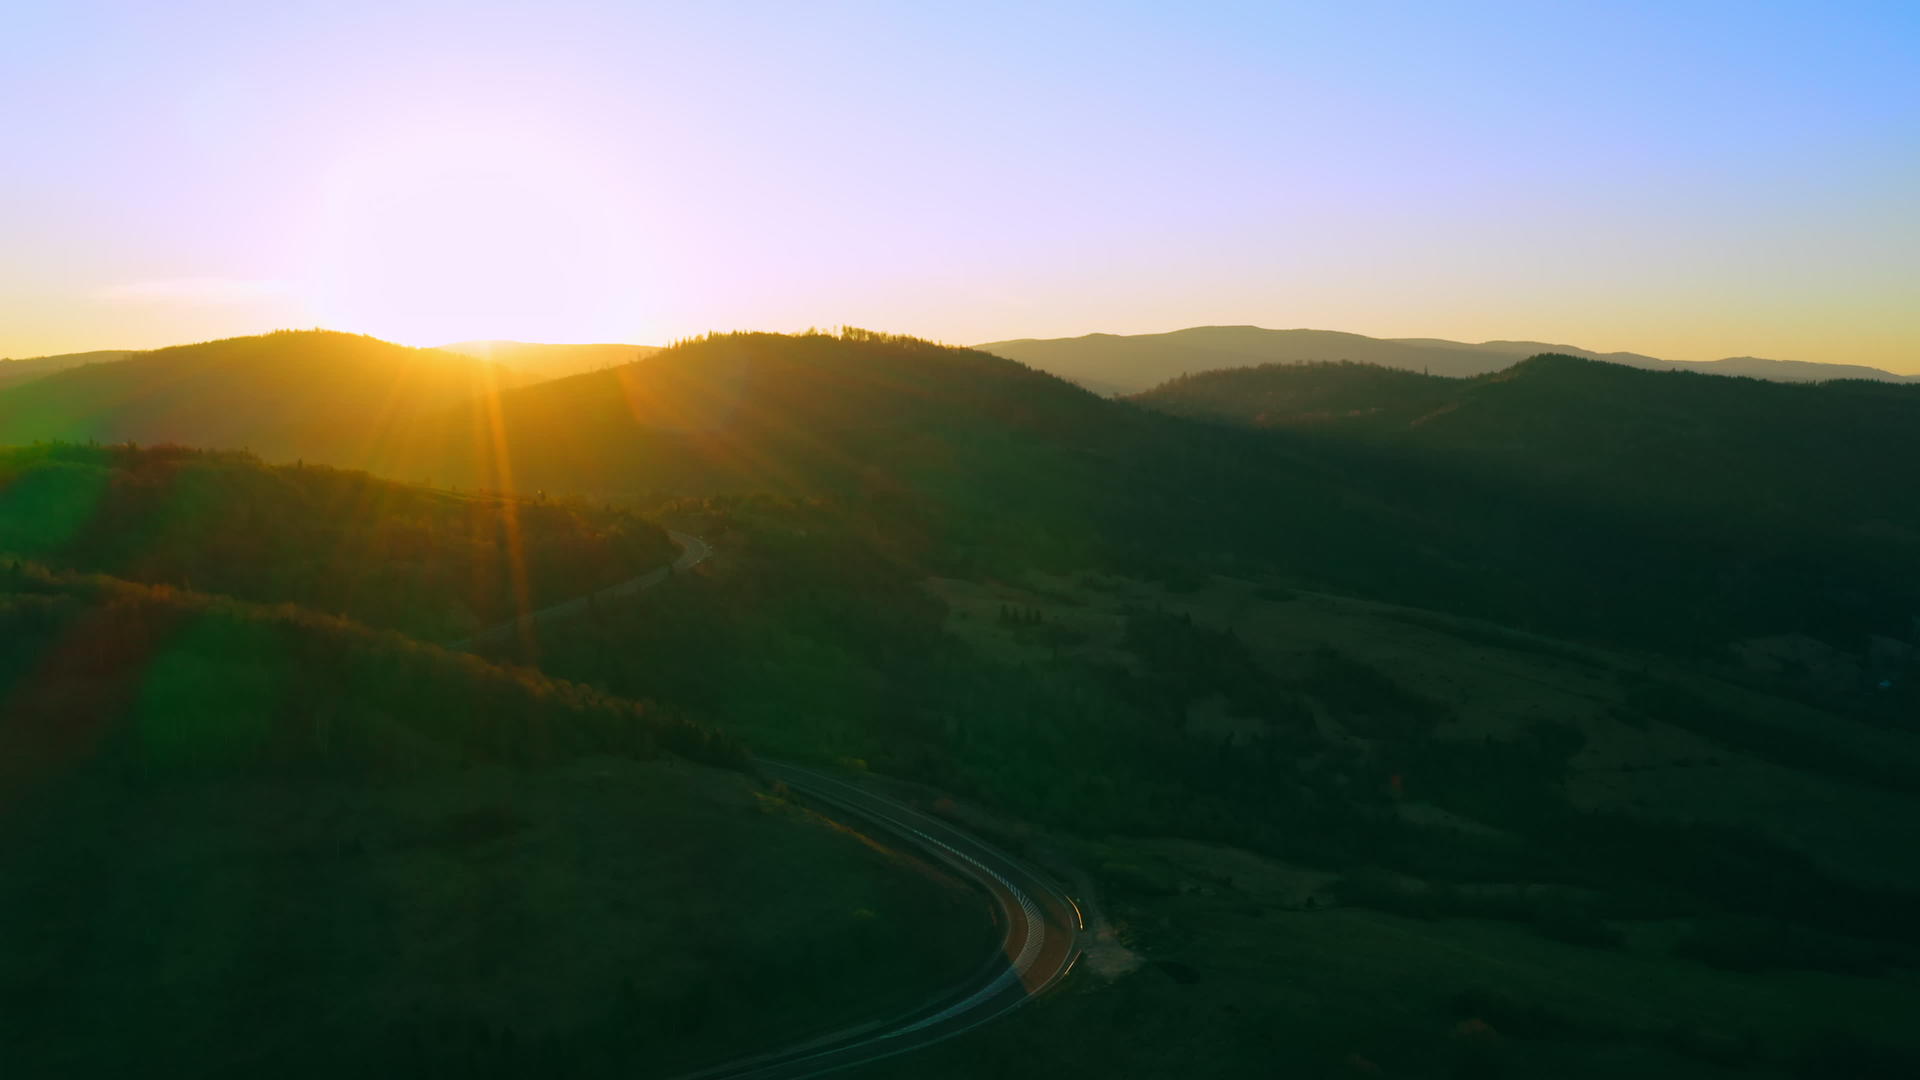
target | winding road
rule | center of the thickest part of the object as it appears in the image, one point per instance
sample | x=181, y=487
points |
x=1040, y=930
x=1040, y=925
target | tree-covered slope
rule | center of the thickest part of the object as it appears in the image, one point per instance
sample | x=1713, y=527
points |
x=318, y=395
x=1695, y=500
x=1809, y=450
x=1396, y=489
x=432, y=563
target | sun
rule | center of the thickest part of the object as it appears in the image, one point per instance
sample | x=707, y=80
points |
x=448, y=235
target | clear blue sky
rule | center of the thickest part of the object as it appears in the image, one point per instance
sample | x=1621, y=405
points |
x=1691, y=180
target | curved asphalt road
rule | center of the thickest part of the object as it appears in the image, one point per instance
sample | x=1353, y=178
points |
x=1039, y=923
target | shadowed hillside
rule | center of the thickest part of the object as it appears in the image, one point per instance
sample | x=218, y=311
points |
x=990, y=455
x=432, y=563
x=315, y=394
x=137, y=679
x=735, y=412
x=1783, y=503
x=243, y=841
x=1817, y=451
x=1581, y=848
x=986, y=463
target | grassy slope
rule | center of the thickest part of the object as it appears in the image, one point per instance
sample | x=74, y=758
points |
x=242, y=840
x=1255, y=963
x=137, y=679
x=1238, y=986
x=602, y=917
x=1844, y=807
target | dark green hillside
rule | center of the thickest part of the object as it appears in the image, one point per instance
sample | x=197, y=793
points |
x=138, y=680
x=994, y=460
x=1811, y=449
x=245, y=841
x=1775, y=506
x=986, y=464
x=986, y=461
x=318, y=395
x=427, y=562
x=765, y=412
x=1446, y=815
x=1624, y=515
x=1431, y=821
x=1301, y=395
x=1823, y=452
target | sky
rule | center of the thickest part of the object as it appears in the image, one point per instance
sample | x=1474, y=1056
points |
x=1688, y=180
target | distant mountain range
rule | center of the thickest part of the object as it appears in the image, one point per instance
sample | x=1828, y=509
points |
x=527, y=358
x=1128, y=364
x=14, y=372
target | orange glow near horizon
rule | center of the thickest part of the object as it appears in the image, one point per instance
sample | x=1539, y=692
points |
x=588, y=171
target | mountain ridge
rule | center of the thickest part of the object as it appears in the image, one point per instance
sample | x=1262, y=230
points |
x=27, y=368
x=317, y=394
x=1117, y=363
x=548, y=360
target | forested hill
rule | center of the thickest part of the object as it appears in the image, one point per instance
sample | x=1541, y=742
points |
x=1823, y=454
x=999, y=458
x=760, y=412
x=1587, y=499
x=1530, y=516
x=432, y=563
x=318, y=395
